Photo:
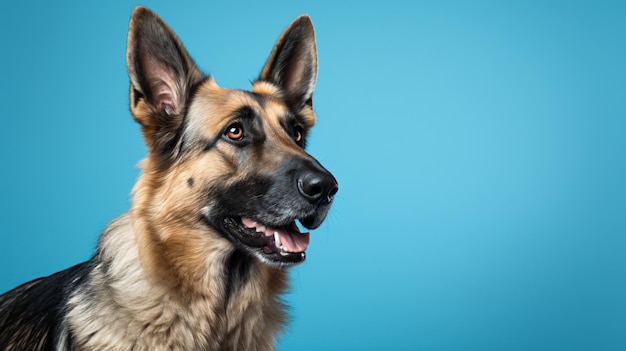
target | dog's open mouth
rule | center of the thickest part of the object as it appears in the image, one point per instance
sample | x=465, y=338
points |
x=281, y=240
x=280, y=245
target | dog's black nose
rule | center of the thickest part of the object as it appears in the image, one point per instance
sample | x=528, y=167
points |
x=317, y=186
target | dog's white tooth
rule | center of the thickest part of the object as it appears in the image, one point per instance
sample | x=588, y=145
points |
x=277, y=240
x=260, y=229
x=284, y=253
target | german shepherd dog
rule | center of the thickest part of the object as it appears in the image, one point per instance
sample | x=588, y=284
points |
x=198, y=262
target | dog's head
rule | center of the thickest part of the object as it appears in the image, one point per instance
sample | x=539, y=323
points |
x=229, y=164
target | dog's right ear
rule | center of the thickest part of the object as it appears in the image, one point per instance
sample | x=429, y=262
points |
x=161, y=77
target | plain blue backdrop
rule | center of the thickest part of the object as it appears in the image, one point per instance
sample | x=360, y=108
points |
x=480, y=149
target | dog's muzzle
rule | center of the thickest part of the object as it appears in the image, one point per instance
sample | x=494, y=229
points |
x=260, y=213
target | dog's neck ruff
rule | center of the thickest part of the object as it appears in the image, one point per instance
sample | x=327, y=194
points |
x=156, y=318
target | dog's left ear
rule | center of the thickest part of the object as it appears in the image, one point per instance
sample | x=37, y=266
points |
x=292, y=65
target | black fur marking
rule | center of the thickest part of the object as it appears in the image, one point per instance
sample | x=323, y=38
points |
x=209, y=144
x=241, y=198
x=31, y=315
x=190, y=182
x=237, y=271
x=246, y=115
x=137, y=96
x=259, y=99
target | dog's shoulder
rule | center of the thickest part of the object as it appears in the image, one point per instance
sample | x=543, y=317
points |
x=31, y=315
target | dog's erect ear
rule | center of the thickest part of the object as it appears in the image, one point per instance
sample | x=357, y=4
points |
x=161, y=76
x=292, y=65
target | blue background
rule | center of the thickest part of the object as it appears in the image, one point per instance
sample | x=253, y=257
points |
x=480, y=149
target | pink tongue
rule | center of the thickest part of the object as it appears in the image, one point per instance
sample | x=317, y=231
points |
x=293, y=241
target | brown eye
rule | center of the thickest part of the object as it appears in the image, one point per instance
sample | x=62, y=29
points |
x=234, y=131
x=297, y=134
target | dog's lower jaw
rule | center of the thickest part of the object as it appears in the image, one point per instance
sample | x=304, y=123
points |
x=123, y=306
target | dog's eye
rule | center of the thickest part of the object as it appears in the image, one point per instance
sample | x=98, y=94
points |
x=234, y=131
x=297, y=134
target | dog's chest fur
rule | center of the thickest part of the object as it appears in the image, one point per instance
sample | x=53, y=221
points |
x=120, y=308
